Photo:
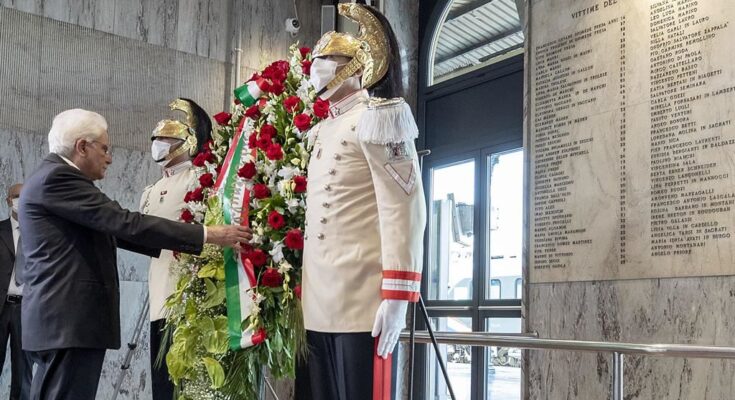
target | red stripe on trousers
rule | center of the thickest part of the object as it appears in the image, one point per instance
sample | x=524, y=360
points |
x=382, y=383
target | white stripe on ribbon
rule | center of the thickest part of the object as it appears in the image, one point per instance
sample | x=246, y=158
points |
x=246, y=303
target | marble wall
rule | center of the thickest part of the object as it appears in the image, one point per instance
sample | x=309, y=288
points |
x=671, y=310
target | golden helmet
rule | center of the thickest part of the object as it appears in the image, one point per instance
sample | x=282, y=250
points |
x=370, y=50
x=194, y=132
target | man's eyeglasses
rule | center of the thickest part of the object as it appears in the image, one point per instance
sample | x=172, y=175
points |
x=107, y=149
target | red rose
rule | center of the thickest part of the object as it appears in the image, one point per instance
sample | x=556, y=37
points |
x=187, y=216
x=253, y=141
x=294, y=239
x=202, y=157
x=257, y=257
x=259, y=337
x=282, y=65
x=223, y=118
x=264, y=142
x=274, y=152
x=277, y=71
x=195, y=195
x=292, y=103
x=306, y=67
x=277, y=88
x=302, y=121
x=199, y=160
x=252, y=112
x=271, y=278
x=304, y=51
x=236, y=101
x=297, y=291
x=206, y=180
x=247, y=171
x=321, y=108
x=261, y=191
x=299, y=184
x=208, y=145
x=275, y=220
x=268, y=129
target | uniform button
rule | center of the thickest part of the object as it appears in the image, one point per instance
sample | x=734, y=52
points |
x=325, y=205
x=332, y=171
x=337, y=157
x=323, y=220
x=353, y=128
x=320, y=236
x=327, y=187
x=343, y=142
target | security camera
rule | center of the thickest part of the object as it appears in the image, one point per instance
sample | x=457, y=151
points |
x=293, y=25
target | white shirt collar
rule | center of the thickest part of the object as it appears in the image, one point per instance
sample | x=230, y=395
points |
x=171, y=171
x=13, y=223
x=68, y=161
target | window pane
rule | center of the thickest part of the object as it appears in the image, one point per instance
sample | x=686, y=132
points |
x=505, y=224
x=458, y=360
x=475, y=33
x=503, y=370
x=451, y=240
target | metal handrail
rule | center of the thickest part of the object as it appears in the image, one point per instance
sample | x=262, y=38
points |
x=618, y=349
x=529, y=342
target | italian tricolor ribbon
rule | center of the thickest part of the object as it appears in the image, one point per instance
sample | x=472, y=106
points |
x=239, y=272
x=250, y=92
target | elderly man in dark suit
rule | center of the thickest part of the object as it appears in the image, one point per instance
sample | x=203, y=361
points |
x=11, y=295
x=71, y=231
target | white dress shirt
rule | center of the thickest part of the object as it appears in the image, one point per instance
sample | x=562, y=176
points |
x=13, y=289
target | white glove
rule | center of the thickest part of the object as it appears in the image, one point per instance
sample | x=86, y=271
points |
x=389, y=322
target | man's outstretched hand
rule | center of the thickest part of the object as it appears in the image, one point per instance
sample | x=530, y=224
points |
x=229, y=235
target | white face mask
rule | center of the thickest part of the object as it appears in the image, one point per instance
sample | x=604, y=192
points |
x=322, y=72
x=159, y=151
x=14, y=205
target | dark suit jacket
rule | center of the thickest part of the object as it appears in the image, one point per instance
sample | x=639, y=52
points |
x=7, y=258
x=71, y=231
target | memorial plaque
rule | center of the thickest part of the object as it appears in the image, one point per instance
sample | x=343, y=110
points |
x=631, y=141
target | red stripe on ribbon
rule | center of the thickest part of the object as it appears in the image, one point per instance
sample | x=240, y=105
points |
x=244, y=215
x=400, y=295
x=228, y=157
x=382, y=368
x=405, y=275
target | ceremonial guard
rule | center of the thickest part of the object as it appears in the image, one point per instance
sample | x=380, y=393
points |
x=365, y=213
x=174, y=145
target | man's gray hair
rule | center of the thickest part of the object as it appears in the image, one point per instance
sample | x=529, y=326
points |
x=72, y=125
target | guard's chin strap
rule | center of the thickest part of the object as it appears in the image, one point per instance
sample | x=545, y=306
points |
x=350, y=69
x=181, y=150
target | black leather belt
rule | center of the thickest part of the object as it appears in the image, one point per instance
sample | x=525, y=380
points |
x=13, y=299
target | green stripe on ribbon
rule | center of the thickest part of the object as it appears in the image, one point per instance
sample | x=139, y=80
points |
x=243, y=94
x=232, y=280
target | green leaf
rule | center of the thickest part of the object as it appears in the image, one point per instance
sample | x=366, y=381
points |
x=215, y=294
x=215, y=371
x=214, y=334
x=213, y=269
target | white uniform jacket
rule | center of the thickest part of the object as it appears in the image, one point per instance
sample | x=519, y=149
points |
x=365, y=217
x=165, y=199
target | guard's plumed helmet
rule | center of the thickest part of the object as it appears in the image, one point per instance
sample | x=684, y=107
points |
x=195, y=132
x=372, y=51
